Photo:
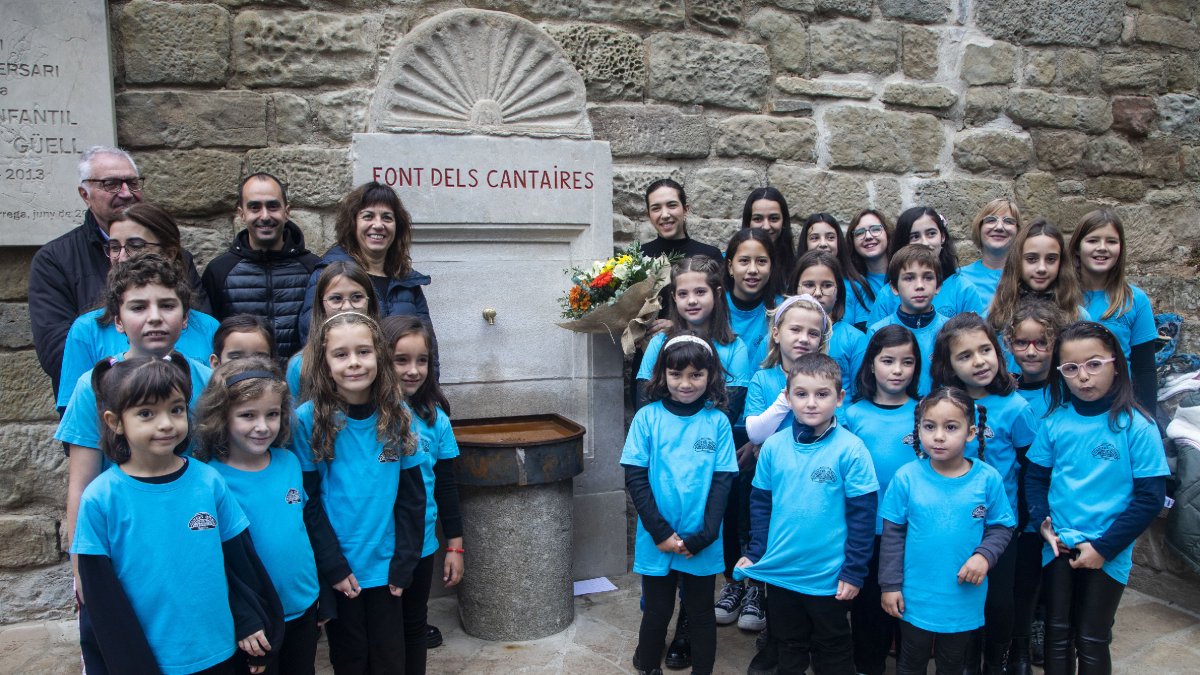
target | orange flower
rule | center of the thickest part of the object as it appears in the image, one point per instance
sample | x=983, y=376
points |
x=602, y=280
x=579, y=299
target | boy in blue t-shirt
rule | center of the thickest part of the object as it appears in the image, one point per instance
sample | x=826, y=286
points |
x=812, y=515
x=915, y=276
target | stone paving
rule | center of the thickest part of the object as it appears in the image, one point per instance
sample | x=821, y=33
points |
x=1152, y=637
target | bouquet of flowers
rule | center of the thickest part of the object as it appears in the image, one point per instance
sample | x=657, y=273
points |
x=618, y=294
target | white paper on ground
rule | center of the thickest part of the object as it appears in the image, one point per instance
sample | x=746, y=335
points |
x=597, y=585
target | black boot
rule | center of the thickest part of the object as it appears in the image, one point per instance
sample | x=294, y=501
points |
x=1037, y=642
x=679, y=654
x=995, y=659
x=1018, y=657
x=766, y=660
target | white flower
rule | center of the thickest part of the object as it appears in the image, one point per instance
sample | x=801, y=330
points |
x=597, y=267
x=621, y=271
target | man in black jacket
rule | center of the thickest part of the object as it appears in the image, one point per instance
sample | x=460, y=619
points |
x=266, y=270
x=68, y=274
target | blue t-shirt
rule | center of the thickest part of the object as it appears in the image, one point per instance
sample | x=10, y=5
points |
x=733, y=356
x=1010, y=425
x=681, y=454
x=926, y=336
x=856, y=311
x=293, y=375
x=80, y=424
x=358, y=490
x=752, y=328
x=763, y=390
x=164, y=540
x=436, y=442
x=273, y=500
x=945, y=519
x=809, y=485
x=1039, y=402
x=1132, y=325
x=88, y=342
x=846, y=346
x=956, y=295
x=888, y=435
x=984, y=280
x=1092, y=469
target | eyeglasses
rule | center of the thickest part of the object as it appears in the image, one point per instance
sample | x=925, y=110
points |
x=992, y=220
x=134, y=245
x=113, y=185
x=1020, y=345
x=873, y=230
x=1091, y=367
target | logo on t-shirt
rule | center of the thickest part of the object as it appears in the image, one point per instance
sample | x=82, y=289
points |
x=202, y=521
x=987, y=432
x=292, y=496
x=907, y=440
x=979, y=512
x=1106, y=451
x=705, y=445
x=389, y=454
x=947, y=312
x=823, y=474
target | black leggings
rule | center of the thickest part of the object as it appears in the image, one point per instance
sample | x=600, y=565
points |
x=364, y=639
x=873, y=629
x=1000, y=607
x=1027, y=583
x=1080, y=607
x=659, y=596
x=949, y=650
x=811, y=628
x=415, y=603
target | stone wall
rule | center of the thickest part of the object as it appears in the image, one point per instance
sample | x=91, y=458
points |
x=842, y=104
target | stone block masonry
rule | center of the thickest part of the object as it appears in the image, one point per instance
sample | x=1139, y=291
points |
x=1066, y=105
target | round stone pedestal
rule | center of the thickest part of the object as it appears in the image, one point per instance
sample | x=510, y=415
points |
x=516, y=491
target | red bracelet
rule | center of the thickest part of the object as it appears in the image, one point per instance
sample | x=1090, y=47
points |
x=455, y=550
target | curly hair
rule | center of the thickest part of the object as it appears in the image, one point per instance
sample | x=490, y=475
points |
x=137, y=272
x=221, y=396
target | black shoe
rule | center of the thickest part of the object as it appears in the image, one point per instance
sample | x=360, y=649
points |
x=995, y=658
x=1018, y=658
x=766, y=659
x=679, y=654
x=642, y=671
x=1037, y=642
x=433, y=637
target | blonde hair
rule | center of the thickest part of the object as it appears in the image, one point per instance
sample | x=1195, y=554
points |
x=990, y=209
x=774, y=318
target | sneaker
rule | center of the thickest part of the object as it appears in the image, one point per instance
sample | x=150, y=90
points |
x=433, y=637
x=729, y=603
x=753, y=616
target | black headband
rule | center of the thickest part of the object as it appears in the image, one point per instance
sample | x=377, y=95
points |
x=249, y=375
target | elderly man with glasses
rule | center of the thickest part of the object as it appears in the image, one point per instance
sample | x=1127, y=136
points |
x=68, y=274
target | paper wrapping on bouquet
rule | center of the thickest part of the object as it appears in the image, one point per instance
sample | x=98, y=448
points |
x=631, y=314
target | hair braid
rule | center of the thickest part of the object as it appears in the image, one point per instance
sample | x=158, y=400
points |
x=917, y=410
x=981, y=412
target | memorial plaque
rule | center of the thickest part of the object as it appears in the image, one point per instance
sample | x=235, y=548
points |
x=56, y=100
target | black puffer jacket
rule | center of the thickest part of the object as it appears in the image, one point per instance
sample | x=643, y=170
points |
x=269, y=284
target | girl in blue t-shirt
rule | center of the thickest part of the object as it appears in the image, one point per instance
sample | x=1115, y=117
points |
x=242, y=336
x=885, y=404
x=946, y=520
x=1096, y=480
x=868, y=236
x=679, y=466
x=766, y=209
x=819, y=274
x=822, y=232
x=411, y=343
x=244, y=421
x=343, y=286
x=967, y=355
x=993, y=232
x=1037, y=267
x=1031, y=337
x=366, y=495
x=1098, y=256
x=159, y=539
x=753, y=281
x=924, y=225
x=798, y=326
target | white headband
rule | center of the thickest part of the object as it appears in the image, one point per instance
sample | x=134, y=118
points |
x=793, y=299
x=680, y=339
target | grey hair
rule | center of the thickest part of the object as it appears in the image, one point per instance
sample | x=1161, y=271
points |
x=85, y=160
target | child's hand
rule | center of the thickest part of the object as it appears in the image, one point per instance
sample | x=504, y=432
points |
x=671, y=544
x=452, y=569
x=659, y=326
x=846, y=591
x=893, y=603
x=255, y=645
x=1088, y=558
x=747, y=457
x=743, y=562
x=348, y=587
x=396, y=591
x=683, y=550
x=1056, y=545
x=974, y=571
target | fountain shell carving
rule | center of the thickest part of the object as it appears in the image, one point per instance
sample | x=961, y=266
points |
x=477, y=71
